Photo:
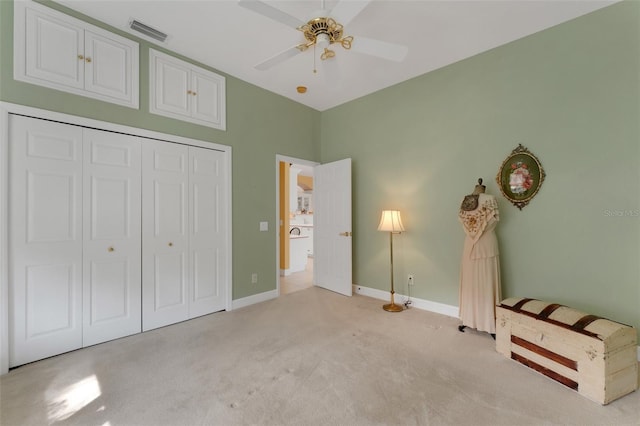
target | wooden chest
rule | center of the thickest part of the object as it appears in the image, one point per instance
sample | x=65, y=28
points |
x=593, y=355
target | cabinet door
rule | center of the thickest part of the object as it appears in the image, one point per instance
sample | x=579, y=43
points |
x=108, y=67
x=54, y=50
x=208, y=233
x=164, y=234
x=207, y=96
x=112, y=283
x=45, y=239
x=186, y=92
x=170, y=93
x=57, y=51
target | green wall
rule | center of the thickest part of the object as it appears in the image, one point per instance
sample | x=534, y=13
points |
x=260, y=125
x=571, y=95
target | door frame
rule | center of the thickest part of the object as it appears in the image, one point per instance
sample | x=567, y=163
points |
x=292, y=160
x=6, y=109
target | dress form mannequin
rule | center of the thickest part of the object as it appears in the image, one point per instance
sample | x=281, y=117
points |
x=480, y=268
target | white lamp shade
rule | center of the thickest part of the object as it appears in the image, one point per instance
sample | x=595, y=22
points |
x=391, y=221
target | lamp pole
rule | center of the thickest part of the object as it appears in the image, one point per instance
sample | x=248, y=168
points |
x=391, y=307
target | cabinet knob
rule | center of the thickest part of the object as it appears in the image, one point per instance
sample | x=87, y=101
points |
x=170, y=244
x=88, y=60
x=81, y=57
x=189, y=92
x=346, y=234
x=110, y=249
x=193, y=93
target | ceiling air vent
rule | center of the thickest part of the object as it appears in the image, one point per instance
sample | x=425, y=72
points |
x=147, y=30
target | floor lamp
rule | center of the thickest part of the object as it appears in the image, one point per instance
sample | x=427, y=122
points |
x=391, y=223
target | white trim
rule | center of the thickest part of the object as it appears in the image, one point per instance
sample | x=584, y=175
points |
x=4, y=242
x=256, y=298
x=6, y=107
x=426, y=305
x=9, y=108
x=283, y=158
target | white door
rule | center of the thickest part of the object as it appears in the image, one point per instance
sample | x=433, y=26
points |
x=112, y=236
x=207, y=97
x=165, y=200
x=171, y=91
x=108, y=65
x=54, y=50
x=332, y=226
x=45, y=239
x=208, y=232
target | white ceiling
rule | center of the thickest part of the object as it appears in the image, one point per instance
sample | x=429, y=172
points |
x=232, y=39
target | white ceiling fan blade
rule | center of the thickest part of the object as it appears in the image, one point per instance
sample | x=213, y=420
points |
x=381, y=49
x=280, y=57
x=346, y=10
x=330, y=69
x=271, y=12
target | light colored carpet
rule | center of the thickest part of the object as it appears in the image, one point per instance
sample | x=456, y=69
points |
x=298, y=280
x=308, y=358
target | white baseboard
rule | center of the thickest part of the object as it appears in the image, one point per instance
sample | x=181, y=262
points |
x=256, y=298
x=427, y=305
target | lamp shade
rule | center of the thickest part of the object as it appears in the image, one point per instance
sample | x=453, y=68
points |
x=391, y=221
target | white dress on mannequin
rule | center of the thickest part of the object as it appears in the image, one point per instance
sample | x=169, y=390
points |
x=480, y=290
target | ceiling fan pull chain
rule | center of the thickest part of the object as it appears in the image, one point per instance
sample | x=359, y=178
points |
x=314, y=59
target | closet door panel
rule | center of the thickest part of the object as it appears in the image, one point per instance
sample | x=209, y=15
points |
x=207, y=98
x=165, y=239
x=171, y=92
x=108, y=67
x=112, y=236
x=54, y=50
x=207, y=237
x=45, y=239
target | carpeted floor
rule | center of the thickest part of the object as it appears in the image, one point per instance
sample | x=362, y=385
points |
x=308, y=358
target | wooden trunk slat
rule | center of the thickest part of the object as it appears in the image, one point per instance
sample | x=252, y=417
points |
x=569, y=363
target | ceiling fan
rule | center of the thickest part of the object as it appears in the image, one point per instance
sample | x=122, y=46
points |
x=324, y=29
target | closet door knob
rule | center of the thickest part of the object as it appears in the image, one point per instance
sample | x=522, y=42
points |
x=110, y=249
x=346, y=234
x=88, y=60
x=170, y=244
x=81, y=57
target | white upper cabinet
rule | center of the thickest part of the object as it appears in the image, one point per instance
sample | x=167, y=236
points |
x=186, y=92
x=55, y=50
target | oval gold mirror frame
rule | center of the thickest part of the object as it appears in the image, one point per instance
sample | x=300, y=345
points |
x=520, y=177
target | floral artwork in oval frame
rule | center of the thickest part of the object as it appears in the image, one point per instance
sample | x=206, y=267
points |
x=520, y=177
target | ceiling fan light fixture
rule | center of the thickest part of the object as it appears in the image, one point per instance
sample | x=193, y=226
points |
x=323, y=40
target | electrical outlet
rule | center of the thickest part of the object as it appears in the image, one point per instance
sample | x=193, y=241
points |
x=410, y=279
x=254, y=278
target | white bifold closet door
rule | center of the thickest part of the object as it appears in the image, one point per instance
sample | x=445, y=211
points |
x=112, y=282
x=183, y=242
x=45, y=239
x=74, y=239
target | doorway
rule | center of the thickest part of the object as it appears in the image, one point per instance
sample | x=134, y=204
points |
x=294, y=209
